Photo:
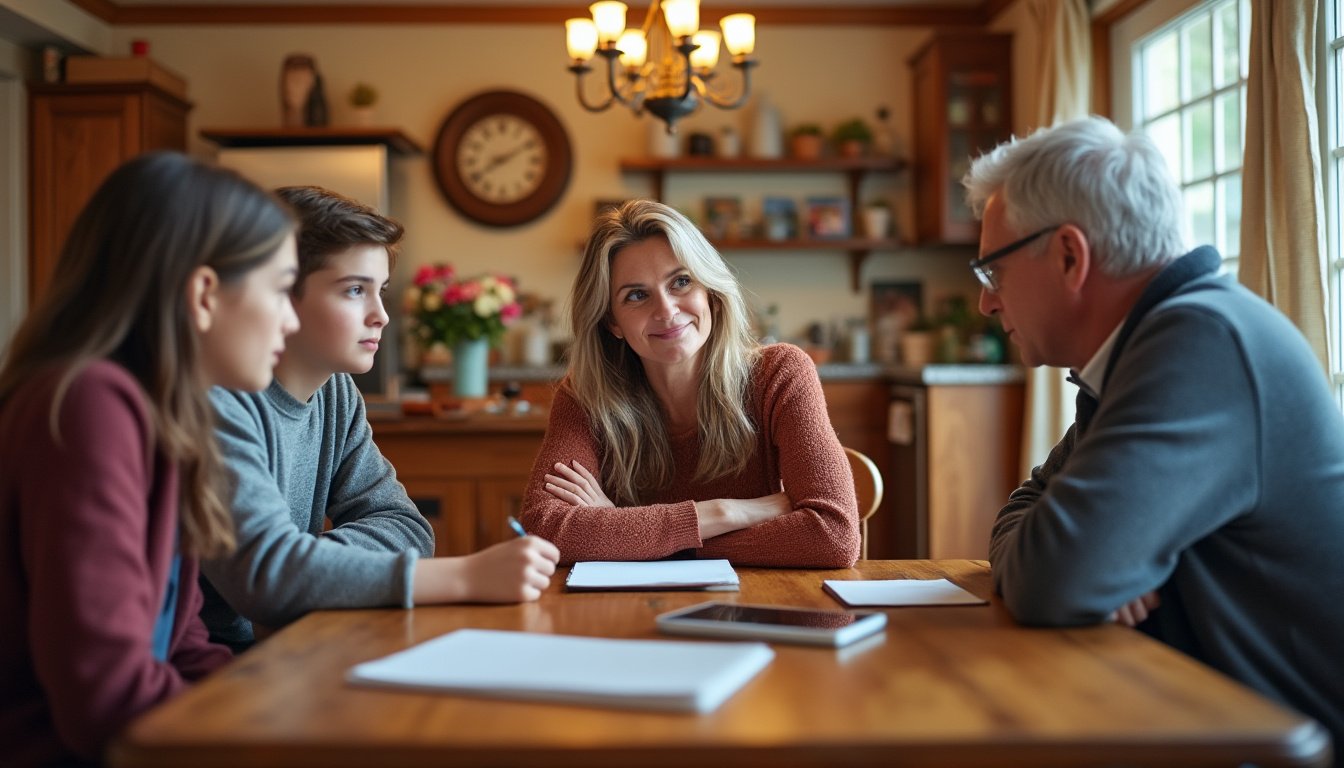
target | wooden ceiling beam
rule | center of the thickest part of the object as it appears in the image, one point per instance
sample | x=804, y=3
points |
x=371, y=13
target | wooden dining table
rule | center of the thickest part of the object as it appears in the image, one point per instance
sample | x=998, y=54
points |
x=940, y=686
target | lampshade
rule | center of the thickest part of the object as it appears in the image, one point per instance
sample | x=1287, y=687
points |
x=683, y=17
x=609, y=16
x=739, y=33
x=633, y=47
x=580, y=38
x=707, y=55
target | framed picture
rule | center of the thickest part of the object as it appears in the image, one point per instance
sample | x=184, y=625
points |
x=723, y=218
x=828, y=217
x=779, y=217
x=894, y=307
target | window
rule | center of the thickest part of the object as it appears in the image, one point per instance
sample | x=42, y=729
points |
x=1332, y=121
x=1189, y=96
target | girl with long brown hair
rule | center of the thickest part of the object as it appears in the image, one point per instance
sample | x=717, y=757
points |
x=175, y=277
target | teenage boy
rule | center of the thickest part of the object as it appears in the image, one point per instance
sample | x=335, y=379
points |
x=302, y=451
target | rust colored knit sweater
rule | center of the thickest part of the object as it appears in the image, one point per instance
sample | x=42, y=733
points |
x=796, y=451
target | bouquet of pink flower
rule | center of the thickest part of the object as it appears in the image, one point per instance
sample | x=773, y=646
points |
x=445, y=310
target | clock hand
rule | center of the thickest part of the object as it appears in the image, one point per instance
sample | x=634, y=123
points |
x=501, y=159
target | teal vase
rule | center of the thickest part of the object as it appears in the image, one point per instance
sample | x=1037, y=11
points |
x=471, y=364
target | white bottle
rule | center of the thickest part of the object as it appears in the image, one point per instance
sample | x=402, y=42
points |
x=767, y=137
x=537, y=345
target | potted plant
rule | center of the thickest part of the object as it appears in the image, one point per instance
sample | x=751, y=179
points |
x=805, y=141
x=465, y=316
x=852, y=137
x=362, y=98
x=916, y=343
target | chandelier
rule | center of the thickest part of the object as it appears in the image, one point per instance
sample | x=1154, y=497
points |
x=666, y=67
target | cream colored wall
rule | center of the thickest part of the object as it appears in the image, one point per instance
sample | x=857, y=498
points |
x=422, y=72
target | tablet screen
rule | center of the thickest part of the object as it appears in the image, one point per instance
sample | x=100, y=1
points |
x=781, y=617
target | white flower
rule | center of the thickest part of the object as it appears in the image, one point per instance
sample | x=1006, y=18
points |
x=505, y=293
x=431, y=302
x=486, y=305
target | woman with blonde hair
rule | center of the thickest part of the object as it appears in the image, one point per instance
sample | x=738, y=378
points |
x=175, y=277
x=675, y=433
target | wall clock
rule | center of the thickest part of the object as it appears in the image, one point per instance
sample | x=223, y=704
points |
x=502, y=158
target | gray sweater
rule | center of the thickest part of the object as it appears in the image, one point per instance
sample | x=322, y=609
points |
x=293, y=464
x=1212, y=472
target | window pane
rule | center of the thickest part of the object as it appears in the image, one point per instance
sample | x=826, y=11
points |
x=1166, y=134
x=1229, y=211
x=1226, y=45
x=1199, y=212
x=1339, y=93
x=1161, y=75
x=1245, y=37
x=1198, y=48
x=1228, y=130
x=1197, y=125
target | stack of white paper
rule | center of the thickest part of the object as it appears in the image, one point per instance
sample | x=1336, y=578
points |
x=892, y=592
x=712, y=575
x=646, y=674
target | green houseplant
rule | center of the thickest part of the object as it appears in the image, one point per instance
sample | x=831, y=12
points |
x=852, y=137
x=805, y=141
x=362, y=98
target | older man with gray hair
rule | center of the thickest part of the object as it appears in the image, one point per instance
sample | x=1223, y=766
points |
x=1200, y=492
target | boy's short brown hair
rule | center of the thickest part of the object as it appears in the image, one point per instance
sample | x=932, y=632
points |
x=330, y=223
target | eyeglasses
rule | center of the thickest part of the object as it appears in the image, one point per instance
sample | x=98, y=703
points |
x=980, y=266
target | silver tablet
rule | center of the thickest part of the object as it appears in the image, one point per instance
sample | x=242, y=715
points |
x=772, y=622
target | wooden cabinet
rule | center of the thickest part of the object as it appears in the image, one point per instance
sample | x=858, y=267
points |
x=466, y=476
x=858, y=412
x=963, y=107
x=953, y=464
x=78, y=134
x=854, y=170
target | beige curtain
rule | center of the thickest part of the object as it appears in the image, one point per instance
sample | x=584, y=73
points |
x=1064, y=70
x=1283, y=254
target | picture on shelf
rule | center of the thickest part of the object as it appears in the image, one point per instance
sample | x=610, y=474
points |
x=828, y=217
x=894, y=307
x=723, y=218
x=779, y=218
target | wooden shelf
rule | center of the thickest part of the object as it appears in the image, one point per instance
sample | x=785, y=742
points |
x=394, y=139
x=763, y=165
x=853, y=168
x=857, y=248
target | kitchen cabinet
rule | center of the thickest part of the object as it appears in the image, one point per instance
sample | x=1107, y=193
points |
x=954, y=459
x=465, y=475
x=854, y=169
x=858, y=410
x=78, y=134
x=963, y=107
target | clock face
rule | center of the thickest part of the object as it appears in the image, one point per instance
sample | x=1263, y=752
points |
x=502, y=158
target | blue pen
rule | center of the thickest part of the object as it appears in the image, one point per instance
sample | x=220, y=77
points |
x=516, y=526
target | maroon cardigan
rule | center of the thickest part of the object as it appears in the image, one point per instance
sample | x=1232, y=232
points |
x=88, y=529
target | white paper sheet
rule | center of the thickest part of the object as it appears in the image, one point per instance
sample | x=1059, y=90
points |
x=644, y=674
x=898, y=592
x=713, y=575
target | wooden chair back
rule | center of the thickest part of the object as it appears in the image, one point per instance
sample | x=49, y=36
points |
x=868, y=489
